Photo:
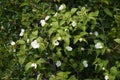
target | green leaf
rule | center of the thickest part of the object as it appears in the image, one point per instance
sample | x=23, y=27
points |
x=108, y=12
x=24, y=4
x=73, y=10
x=77, y=37
x=22, y=59
x=27, y=66
x=20, y=42
x=41, y=60
x=62, y=75
x=35, y=33
x=72, y=78
x=117, y=40
x=113, y=71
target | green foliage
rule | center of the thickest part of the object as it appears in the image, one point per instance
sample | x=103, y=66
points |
x=49, y=40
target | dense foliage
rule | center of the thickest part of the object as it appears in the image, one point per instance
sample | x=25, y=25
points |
x=59, y=40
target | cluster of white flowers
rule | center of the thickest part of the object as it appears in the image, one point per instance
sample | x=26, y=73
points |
x=98, y=45
x=58, y=63
x=35, y=44
x=69, y=48
x=95, y=33
x=43, y=21
x=12, y=43
x=34, y=65
x=106, y=77
x=85, y=63
x=22, y=32
x=74, y=24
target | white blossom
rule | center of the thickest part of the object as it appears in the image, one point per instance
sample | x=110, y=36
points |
x=106, y=77
x=74, y=24
x=58, y=63
x=42, y=22
x=35, y=44
x=69, y=48
x=98, y=45
x=46, y=18
x=61, y=7
x=12, y=43
x=34, y=65
x=85, y=63
x=96, y=33
x=56, y=43
x=22, y=32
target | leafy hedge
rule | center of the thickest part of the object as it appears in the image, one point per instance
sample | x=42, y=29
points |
x=59, y=40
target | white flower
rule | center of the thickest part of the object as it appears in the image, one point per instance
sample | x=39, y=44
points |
x=35, y=44
x=82, y=48
x=73, y=23
x=42, y=22
x=106, y=77
x=58, y=63
x=69, y=48
x=34, y=65
x=56, y=43
x=85, y=64
x=46, y=18
x=55, y=14
x=98, y=45
x=61, y=7
x=12, y=43
x=22, y=32
x=96, y=33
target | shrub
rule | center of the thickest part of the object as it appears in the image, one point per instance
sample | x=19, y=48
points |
x=44, y=41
